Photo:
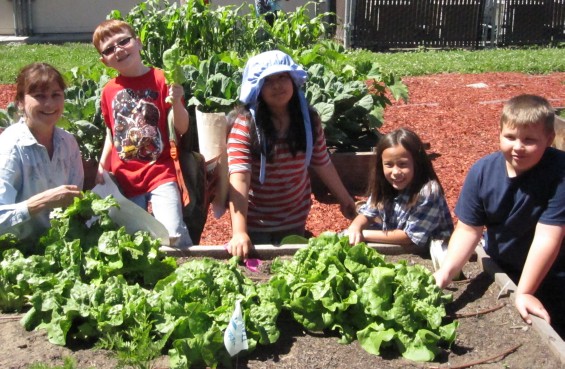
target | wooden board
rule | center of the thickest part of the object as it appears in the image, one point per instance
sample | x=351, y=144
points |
x=545, y=331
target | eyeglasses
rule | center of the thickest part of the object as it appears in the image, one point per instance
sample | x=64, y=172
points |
x=112, y=49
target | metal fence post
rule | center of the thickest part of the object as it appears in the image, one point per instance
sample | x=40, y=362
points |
x=347, y=24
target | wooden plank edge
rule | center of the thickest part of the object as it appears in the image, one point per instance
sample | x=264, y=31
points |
x=544, y=330
x=267, y=252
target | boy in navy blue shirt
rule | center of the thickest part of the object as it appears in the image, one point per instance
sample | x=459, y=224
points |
x=517, y=197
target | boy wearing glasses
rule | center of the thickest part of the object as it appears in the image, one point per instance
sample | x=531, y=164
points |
x=137, y=149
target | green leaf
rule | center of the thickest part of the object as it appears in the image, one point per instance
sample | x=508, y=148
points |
x=374, y=336
x=325, y=110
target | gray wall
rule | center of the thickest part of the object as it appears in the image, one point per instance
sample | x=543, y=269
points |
x=82, y=16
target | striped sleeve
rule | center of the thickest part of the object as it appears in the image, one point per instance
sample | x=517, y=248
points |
x=320, y=155
x=239, y=146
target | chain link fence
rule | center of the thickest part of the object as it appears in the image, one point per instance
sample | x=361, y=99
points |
x=401, y=24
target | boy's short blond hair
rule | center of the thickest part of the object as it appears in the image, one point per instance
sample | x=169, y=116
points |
x=523, y=110
x=108, y=28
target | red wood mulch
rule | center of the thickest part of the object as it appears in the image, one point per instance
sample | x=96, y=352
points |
x=460, y=122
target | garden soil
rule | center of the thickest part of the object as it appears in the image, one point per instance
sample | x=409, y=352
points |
x=458, y=115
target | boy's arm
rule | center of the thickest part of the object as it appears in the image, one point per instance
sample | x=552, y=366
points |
x=461, y=246
x=543, y=252
x=180, y=114
x=104, y=163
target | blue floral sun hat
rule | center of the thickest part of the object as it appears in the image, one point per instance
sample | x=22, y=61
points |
x=256, y=69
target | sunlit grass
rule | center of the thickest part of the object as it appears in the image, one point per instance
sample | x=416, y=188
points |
x=64, y=57
x=415, y=63
x=537, y=60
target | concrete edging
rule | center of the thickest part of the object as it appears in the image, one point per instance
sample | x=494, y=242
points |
x=267, y=252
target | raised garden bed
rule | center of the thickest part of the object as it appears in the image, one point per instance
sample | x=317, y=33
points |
x=490, y=329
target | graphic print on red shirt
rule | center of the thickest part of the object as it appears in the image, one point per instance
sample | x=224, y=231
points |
x=136, y=117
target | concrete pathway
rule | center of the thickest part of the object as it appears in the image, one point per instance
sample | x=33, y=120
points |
x=51, y=38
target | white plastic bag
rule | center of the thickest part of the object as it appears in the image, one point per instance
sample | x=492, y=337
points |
x=235, y=337
x=130, y=215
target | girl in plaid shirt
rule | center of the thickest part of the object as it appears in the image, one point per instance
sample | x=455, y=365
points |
x=406, y=203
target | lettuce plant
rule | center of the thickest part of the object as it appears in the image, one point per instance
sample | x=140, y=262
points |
x=354, y=291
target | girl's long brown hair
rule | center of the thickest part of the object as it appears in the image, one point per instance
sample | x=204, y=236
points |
x=381, y=191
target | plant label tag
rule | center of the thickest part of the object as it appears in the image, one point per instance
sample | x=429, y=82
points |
x=235, y=337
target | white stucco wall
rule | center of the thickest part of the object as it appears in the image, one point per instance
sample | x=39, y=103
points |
x=7, y=26
x=70, y=16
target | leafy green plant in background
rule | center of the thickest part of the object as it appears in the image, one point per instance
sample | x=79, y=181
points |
x=350, y=98
x=9, y=115
x=83, y=116
x=214, y=83
x=204, y=31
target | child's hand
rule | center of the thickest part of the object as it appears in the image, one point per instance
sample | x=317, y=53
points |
x=355, y=235
x=529, y=304
x=442, y=278
x=176, y=92
x=99, y=175
x=239, y=245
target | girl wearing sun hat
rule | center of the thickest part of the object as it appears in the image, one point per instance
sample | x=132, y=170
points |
x=275, y=137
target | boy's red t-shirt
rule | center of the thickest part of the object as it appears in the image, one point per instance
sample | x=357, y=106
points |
x=135, y=111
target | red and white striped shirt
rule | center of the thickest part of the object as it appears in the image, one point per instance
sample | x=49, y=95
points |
x=283, y=200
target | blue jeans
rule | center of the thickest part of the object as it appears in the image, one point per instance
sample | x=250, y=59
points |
x=167, y=209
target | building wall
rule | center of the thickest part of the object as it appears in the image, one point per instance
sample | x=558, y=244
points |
x=82, y=16
x=7, y=26
x=73, y=16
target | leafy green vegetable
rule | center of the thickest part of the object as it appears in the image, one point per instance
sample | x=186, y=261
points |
x=197, y=301
x=330, y=285
x=172, y=67
x=215, y=82
x=89, y=280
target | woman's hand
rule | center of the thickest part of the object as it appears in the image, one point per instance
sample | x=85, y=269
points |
x=62, y=196
x=58, y=197
x=529, y=304
x=239, y=245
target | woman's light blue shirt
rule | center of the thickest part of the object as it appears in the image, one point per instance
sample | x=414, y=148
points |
x=26, y=170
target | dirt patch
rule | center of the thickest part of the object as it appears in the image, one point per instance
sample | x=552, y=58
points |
x=458, y=115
